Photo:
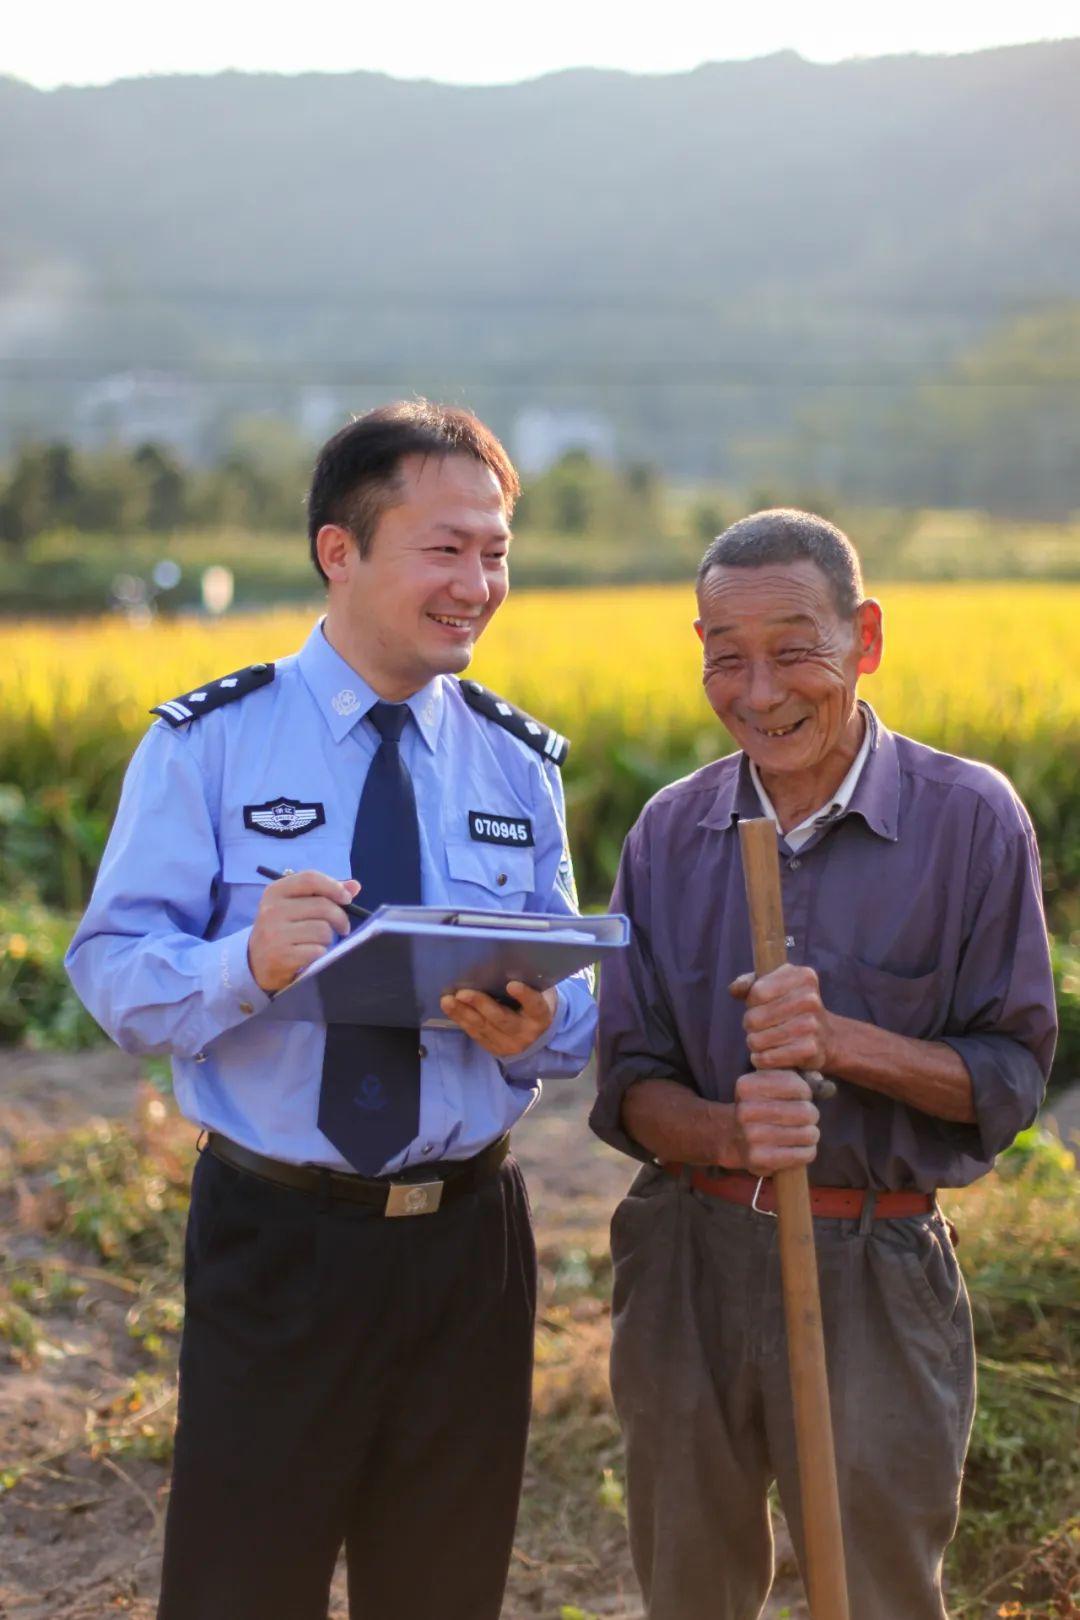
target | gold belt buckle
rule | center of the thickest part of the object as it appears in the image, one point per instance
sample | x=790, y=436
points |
x=413, y=1197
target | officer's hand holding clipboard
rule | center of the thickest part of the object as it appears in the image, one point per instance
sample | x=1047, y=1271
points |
x=502, y=1025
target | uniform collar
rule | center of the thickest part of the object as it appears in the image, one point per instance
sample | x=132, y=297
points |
x=876, y=795
x=344, y=697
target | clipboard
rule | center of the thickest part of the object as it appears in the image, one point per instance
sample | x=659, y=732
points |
x=394, y=968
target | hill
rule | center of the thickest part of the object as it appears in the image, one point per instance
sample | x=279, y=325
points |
x=749, y=229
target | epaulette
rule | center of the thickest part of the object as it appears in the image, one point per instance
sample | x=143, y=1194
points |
x=550, y=743
x=189, y=706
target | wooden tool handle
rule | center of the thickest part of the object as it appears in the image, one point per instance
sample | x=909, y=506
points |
x=825, y=1574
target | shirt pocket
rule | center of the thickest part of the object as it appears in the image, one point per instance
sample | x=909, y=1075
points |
x=491, y=875
x=914, y=1005
x=242, y=857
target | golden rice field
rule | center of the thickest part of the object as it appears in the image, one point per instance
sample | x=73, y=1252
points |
x=982, y=668
x=1000, y=656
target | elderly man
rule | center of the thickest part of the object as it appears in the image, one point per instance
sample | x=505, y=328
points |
x=918, y=978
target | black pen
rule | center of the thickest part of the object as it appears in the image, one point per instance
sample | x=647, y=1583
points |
x=346, y=905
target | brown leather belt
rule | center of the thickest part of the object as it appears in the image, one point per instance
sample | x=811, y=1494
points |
x=426, y=1192
x=842, y=1203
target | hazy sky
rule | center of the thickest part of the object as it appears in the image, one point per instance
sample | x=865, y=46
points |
x=484, y=41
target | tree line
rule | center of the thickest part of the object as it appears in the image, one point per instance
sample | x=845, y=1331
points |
x=997, y=428
x=149, y=490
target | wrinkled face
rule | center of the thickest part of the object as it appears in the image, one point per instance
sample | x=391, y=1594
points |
x=435, y=573
x=781, y=664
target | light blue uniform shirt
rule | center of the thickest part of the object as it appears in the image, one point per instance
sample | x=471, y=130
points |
x=160, y=958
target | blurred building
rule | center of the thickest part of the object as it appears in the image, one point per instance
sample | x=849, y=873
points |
x=129, y=408
x=540, y=437
x=319, y=412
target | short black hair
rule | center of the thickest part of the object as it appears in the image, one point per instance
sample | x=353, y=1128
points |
x=355, y=476
x=784, y=535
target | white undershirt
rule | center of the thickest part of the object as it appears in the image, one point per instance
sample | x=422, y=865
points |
x=798, y=836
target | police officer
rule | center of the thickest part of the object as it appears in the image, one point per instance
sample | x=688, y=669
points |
x=360, y=1270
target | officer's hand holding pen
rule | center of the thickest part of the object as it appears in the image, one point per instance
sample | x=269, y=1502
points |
x=299, y=917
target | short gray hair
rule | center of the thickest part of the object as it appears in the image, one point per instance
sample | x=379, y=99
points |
x=784, y=535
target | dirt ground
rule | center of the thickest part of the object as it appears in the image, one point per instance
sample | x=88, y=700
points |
x=80, y=1538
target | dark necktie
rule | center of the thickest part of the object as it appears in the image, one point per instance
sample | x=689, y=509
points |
x=369, y=1105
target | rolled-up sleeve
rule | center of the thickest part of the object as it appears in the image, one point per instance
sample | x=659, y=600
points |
x=637, y=1038
x=1002, y=1020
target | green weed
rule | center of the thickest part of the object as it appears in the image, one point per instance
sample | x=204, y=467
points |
x=1020, y=1233
x=120, y=1200
x=19, y=1332
x=1017, y=1552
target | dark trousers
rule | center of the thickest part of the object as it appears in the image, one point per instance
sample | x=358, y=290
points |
x=700, y=1378
x=349, y=1379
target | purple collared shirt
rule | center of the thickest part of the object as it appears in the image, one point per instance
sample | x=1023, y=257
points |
x=920, y=909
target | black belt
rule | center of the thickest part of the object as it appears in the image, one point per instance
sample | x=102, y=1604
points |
x=452, y=1178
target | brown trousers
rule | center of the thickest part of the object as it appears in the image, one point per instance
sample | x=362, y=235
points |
x=700, y=1380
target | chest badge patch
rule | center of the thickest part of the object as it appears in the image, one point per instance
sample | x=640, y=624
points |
x=488, y=827
x=283, y=818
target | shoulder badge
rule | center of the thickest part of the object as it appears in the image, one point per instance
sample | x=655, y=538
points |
x=550, y=743
x=189, y=706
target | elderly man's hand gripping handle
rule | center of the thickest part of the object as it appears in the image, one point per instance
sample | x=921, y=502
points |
x=786, y=1024
x=787, y=1032
x=776, y=1122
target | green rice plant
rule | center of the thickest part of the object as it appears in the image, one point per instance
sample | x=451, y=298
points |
x=37, y=1003
x=1020, y=1233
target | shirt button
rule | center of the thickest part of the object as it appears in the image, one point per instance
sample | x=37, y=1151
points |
x=795, y=864
x=428, y=1147
x=200, y=1057
x=246, y=1007
x=789, y=940
x=501, y=879
x=422, y=1051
